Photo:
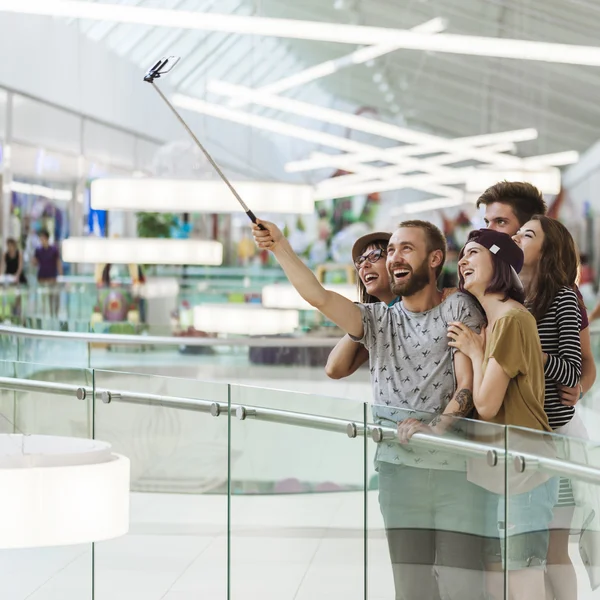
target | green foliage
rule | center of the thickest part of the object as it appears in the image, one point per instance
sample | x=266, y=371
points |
x=155, y=225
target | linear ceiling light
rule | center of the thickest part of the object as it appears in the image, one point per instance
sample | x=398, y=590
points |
x=547, y=181
x=250, y=120
x=41, y=190
x=310, y=30
x=181, y=195
x=504, y=142
x=359, y=123
x=146, y=251
x=426, y=205
x=362, y=150
x=329, y=67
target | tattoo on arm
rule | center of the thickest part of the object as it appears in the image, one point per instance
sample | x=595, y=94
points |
x=464, y=399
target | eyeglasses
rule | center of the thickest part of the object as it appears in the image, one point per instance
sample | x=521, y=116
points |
x=372, y=257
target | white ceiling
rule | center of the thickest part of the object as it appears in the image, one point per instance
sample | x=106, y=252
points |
x=449, y=95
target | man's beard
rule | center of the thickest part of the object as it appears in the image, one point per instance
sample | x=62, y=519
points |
x=418, y=279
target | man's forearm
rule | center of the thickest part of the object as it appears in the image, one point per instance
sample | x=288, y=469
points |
x=299, y=275
x=461, y=404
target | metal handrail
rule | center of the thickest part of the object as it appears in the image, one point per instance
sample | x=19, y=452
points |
x=155, y=340
x=494, y=454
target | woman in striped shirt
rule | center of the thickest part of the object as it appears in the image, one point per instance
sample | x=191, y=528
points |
x=548, y=275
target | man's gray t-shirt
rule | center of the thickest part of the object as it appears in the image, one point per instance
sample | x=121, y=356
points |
x=412, y=367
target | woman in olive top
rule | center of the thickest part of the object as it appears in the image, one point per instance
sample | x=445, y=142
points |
x=508, y=388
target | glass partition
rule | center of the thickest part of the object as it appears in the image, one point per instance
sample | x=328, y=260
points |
x=60, y=571
x=431, y=480
x=553, y=512
x=177, y=543
x=297, y=496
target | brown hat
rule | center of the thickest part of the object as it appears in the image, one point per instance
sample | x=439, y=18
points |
x=362, y=242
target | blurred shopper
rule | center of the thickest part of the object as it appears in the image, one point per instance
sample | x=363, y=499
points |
x=508, y=389
x=13, y=262
x=427, y=503
x=551, y=299
x=49, y=265
x=508, y=206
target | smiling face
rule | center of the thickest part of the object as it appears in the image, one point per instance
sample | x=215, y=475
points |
x=410, y=266
x=501, y=217
x=374, y=275
x=530, y=238
x=476, y=269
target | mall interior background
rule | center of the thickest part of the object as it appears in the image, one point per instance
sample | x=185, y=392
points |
x=75, y=115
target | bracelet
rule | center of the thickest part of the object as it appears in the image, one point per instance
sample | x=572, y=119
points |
x=580, y=391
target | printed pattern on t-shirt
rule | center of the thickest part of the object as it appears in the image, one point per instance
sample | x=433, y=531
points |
x=411, y=365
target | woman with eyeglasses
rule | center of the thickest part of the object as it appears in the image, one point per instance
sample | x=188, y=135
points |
x=368, y=255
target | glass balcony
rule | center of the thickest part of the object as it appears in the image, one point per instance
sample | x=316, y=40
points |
x=239, y=491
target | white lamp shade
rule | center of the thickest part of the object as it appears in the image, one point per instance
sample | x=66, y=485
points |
x=244, y=319
x=146, y=251
x=159, y=287
x=285, y=296
x=180, y=195
x=76, y=492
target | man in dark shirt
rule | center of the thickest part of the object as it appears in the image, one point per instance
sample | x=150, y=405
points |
x=47, y=260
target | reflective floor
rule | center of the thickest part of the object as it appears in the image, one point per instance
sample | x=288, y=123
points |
x=177, y=550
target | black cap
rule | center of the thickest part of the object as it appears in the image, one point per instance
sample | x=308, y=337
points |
x=503, y=246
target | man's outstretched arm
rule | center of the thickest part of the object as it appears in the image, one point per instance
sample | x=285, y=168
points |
x=343, y=312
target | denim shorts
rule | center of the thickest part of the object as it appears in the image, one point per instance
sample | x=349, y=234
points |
x=524, y=543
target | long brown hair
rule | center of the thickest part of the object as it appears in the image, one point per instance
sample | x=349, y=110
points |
x=557, y=266
x=363, y=296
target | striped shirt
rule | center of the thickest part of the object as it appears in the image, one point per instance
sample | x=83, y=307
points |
x=559, y=334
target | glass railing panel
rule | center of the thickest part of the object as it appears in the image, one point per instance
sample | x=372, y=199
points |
x=177, y=543
x=553, y=513
x=297, y=496
x=41, y=399
x=52, y=350
x=428, y=504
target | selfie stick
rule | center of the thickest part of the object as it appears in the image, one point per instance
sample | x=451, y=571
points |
x=162, y=67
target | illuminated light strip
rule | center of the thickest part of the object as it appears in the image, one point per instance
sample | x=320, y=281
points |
x=321, y=160
x=443, y=174
x=275, y=126
x=146, y=251
x=426, y=205
x=416, y=182
x=180, y=195
x=41, y=190
x=359, y=123
x=547, y=181
x=329, y=67
x=475, y=179
x=310, y=30
x=244, y=118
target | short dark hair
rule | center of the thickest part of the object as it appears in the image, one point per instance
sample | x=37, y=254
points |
x=524, y=199
x=10, y=241
x=44, y=233
x=502, y=281
x=435, y=239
